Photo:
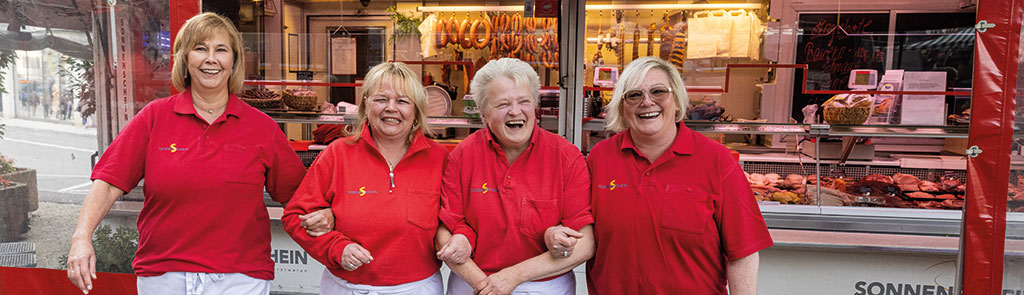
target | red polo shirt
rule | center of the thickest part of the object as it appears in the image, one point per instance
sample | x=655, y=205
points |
x=396, y=221
x=505, y=208
x=670, y=227
x=204, y=185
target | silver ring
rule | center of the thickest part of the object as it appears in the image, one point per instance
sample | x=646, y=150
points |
x=565, y=253
x=351, y=266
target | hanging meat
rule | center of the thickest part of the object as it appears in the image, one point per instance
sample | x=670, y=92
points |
x=679, y=47
x=636, y=42
x=650, y=39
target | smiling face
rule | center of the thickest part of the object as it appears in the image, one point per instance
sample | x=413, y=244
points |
x=210, y=63
x=389, y=112
x=510, y=113
x=652, y=114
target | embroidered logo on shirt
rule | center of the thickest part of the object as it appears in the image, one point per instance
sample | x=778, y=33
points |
x=612, y=186
x=172, y=148
x=361, y=192
x=484, y=189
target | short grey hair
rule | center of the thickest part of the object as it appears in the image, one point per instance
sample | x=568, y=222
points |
x=514, y=69
x=635, y=73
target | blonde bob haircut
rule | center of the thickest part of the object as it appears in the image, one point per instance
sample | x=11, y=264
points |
x=514, y=69
x=635, y=73
x=407, y=83
x=197, y=29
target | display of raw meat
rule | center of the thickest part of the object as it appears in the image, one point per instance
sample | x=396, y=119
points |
x=773, y=179
x=873, y=188
x=920, y=195
x=928, y=186
x=906, y=182
x=949, y=184
x=878, y=177
x=757, y=179
x=960, y=188
x=928, y=204
x=953, y=204
x=795, y=181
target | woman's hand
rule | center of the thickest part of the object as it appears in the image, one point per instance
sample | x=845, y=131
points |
x=561, y=240
x=354, y=256
x=318, y=223
x=82, y=264
x=500, y=283
x=456, y=251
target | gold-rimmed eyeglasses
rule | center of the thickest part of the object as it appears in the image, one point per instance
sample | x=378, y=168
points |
x=657, y=94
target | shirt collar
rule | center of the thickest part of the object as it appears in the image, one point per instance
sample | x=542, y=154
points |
x=682, y=145
x=183, y=104
x=534, y=137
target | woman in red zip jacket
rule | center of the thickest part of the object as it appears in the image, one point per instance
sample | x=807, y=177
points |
x=383, y=186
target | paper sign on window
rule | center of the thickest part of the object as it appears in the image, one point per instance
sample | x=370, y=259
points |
x=343, y=56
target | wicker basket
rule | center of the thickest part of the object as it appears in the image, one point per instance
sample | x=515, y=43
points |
x=302, y=103
x=847, y=116
x=264, y=103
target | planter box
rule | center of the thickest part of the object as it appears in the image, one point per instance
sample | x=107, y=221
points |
x=13, y=211
x=28, y=177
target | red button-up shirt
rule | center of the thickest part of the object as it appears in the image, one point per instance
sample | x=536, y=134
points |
x=505, y=208
x=204, y=185
x=671, y=226
x=393, y=217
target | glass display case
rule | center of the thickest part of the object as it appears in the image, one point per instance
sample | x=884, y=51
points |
x=871, y=103
x=850, y=118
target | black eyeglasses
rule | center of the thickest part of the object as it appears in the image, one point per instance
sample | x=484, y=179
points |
x=657, y=93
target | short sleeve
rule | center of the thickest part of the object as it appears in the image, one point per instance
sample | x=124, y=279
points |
x=453, y=205
x=576, y=211
x=743, y=230
x=285, y=171
x=123, y=163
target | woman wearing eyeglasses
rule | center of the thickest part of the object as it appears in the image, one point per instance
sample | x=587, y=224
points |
x=673, y=211
x=384, y=187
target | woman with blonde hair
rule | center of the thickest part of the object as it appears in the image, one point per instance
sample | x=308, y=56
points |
x=207, y=158
x=670, y=193
x=384, y=186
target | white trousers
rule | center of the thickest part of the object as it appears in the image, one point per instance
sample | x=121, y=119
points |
x=197, y=283
x=332, y=285
x=562, y=285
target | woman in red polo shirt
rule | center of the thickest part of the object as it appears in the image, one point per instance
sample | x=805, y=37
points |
x=207, y=158
x=673, y=211
x=384, y=187
x=505, y=186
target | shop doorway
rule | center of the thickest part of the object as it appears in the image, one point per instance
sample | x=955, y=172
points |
x=369, y=42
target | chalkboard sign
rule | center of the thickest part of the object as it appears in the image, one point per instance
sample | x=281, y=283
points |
x=831, y=51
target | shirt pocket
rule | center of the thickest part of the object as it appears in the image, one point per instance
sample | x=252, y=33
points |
x=422, y=207
x=241, y=164
x=685, y=208
x=535, y=216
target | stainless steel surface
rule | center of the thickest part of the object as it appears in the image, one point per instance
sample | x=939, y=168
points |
x=878, y=224
x=899, y=131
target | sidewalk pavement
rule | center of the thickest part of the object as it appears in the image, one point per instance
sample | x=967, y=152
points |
x=50, y=126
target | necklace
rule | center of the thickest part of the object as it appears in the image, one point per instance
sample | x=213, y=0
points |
x=210, y=111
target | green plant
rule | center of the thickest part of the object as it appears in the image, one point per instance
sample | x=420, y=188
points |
x=6, y=60
x=6, y=165
x=115, y=249
x=79, y=75
x=406, y=25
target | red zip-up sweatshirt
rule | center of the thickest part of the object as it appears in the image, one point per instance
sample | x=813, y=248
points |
x=393, y=214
